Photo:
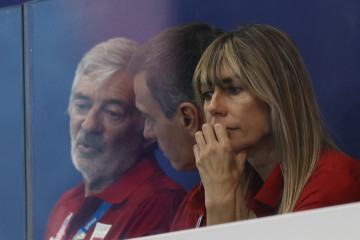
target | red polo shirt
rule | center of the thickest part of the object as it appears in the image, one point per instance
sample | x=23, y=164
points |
x=192, y=211
x=336, y=180
x=144, y=202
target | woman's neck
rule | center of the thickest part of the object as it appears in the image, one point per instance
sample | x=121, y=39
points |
x=263, y=158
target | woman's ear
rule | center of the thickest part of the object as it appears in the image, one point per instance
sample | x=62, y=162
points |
x=190, y=117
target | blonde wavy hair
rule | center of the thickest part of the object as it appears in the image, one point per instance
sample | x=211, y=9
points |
x=269, y=63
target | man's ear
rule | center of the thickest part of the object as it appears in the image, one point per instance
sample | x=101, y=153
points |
x=190, y=117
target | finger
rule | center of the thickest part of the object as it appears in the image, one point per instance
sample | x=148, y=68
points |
x=209, y=133
x=221, y=133
x=200, y=140
x=197, y=157
x=196, y=151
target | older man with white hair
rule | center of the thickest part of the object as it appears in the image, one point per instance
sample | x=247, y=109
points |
x=124, y=192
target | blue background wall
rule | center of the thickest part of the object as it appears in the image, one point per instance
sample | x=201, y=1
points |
x=12, y=170
x=59, y=32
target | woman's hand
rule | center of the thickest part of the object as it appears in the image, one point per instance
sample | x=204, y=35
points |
x=220, y=171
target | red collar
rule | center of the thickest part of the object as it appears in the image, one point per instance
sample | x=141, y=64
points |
x=120, y=190
x=263, y=198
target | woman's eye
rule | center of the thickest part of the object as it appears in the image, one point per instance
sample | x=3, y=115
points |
x=208, y=95
x=234, y=90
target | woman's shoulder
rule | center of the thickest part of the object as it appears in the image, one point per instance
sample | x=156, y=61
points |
x=336, y=180
x=336, y=174
x=336, y=162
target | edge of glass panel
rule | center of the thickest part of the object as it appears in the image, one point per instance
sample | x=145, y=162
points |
x=27, y=121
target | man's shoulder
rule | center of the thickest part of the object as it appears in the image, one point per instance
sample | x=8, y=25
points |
x=193, y=201
x=161, y=183
x=195, y=196
x=154, y=178
x=190, y=210
x=146, y=179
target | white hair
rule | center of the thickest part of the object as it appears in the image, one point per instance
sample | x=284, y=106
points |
x=104, y=60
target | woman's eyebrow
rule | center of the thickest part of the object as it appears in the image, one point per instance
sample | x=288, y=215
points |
x=228, y=80
x=206, y=86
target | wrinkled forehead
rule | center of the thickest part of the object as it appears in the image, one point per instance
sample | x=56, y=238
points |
x=97, y=79
x=117, y=85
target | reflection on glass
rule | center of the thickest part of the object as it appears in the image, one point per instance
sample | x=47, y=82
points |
x=124, y=192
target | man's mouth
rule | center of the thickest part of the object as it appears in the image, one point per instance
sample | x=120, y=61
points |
x=86, y=148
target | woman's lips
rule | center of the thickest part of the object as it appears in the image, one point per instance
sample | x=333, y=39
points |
x=232, y=129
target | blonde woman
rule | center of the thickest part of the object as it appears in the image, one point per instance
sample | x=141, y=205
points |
x=264, y=149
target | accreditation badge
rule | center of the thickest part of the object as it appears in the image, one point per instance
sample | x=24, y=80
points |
x=100, y=231
x=62, y=229
x=80, y=236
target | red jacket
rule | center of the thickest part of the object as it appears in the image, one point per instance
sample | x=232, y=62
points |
x=336, y=180
x=192, y=211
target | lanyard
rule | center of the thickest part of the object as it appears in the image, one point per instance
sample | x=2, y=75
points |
x=92, y=221
x=199, y=221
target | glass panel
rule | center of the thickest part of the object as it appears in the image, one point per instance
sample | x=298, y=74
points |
x=12, y=178
x=59, y=33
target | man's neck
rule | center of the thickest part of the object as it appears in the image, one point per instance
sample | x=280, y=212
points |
x=97, y=185
x=99, y=180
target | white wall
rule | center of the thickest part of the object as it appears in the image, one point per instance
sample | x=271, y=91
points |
x=332, y=223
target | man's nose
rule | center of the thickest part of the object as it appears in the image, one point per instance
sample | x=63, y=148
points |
x=217, y=106
x=92, y=122
x=148, y=131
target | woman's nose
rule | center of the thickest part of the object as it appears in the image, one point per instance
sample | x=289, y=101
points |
x=217, y=106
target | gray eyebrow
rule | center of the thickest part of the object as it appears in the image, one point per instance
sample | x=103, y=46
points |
x=114, y=102
x=80, y=96
x=106, y=102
